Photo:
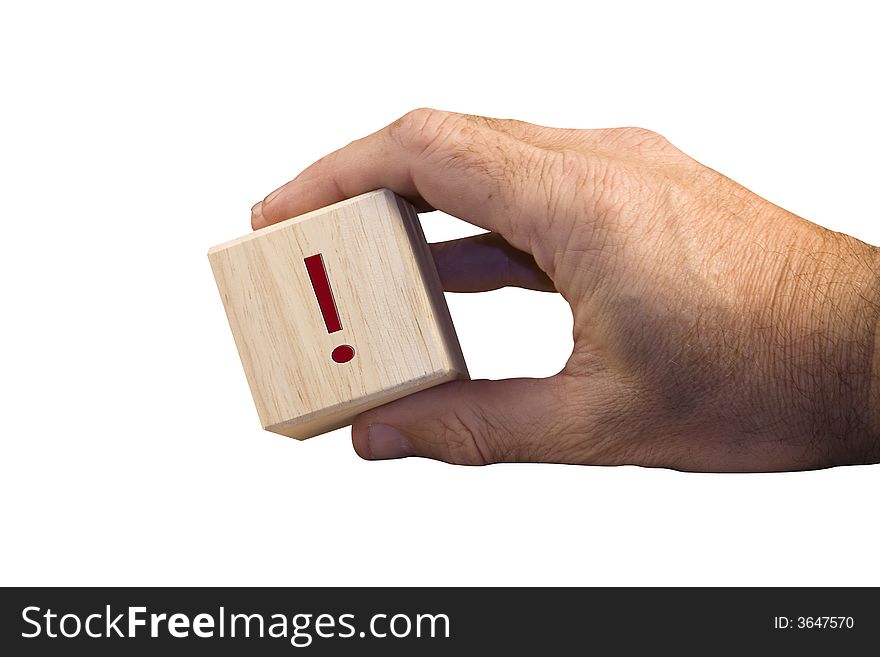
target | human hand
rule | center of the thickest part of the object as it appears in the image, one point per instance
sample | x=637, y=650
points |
x=713, y=330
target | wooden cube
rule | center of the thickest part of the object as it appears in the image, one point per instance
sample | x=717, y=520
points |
x=335, y=312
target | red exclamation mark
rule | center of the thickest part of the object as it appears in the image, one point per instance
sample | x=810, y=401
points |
x=321, y=284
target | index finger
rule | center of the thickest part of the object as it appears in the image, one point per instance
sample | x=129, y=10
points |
x=435, y=159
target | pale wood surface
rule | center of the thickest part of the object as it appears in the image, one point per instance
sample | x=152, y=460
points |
x=389, y=299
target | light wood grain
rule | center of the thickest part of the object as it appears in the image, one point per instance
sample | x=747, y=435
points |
x=389, y=300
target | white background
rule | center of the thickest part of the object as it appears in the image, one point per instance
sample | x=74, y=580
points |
x=135, y=137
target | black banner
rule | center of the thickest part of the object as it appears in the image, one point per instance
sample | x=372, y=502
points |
x=277, y=621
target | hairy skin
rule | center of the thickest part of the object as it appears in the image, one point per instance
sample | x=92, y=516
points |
x=713, y=330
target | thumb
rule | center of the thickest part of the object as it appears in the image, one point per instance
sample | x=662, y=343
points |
x=470, y=423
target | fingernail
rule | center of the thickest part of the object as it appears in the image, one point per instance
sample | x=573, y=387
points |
x=271, y=196
x=257, y=220
x=387, y=443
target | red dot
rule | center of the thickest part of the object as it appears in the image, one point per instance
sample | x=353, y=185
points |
x=342, y=354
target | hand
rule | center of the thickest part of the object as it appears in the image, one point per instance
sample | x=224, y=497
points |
x=713, y=330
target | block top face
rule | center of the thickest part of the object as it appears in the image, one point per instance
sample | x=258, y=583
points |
x=335, y=307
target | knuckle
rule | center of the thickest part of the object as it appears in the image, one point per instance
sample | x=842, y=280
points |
x=416, y=126
x=638, y=141
x=464, y=445
x=446, y=137
x=635, y=133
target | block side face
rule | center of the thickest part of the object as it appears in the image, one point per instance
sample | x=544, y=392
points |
x=384, y=302
x=445, y=337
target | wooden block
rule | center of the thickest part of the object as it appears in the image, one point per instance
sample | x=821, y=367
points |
x=335, y=312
